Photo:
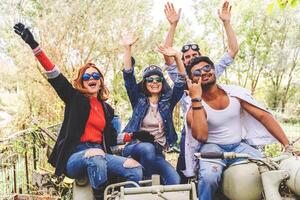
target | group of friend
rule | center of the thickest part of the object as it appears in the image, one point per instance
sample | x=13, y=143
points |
x=217, y=117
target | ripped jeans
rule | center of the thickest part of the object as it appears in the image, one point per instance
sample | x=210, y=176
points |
x=210, y=171
x=97, y=167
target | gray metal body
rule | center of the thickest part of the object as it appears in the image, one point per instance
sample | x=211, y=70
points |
x=82, y=190
x=261, y=179
x=153, y=192
x=292, y=166
x=252, y=180
x=242, y=181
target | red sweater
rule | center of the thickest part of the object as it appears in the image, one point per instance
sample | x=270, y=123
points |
x=96, y=122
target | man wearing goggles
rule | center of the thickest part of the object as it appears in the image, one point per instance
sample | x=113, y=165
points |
x=223, y=118
x=191, y=50
x=187, y=47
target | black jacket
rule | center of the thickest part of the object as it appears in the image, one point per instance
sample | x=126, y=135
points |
x=76, y=114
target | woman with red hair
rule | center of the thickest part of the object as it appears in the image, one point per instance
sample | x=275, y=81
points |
x=83, y=144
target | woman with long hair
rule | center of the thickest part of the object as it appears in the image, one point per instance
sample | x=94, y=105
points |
x=151, y=125
x=83, y=144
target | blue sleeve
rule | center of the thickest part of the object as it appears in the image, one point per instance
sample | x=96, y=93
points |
x=225, y=61
x=172, y=71
x=178, y=89
x=131, y=85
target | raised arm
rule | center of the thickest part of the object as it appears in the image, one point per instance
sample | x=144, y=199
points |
x=173, y=18
x=196, y=116
x=131, y=86
x=225, y=16
x=61, y=85
x=127, y=41
x=179, y=80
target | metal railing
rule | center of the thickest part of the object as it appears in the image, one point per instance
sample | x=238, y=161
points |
x=22, y=153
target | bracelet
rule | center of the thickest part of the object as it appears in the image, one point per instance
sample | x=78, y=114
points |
x=197, y=99
x=198, y=107
x=288, y=148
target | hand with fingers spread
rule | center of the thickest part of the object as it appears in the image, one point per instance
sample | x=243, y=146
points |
x=225, y=12
x=195, y=90
x=171, y=14
x=26, y=35
x=167, y=51
x=128, y=39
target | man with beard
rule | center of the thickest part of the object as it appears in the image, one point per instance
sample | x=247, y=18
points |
x=215, y=119
x=190, y=50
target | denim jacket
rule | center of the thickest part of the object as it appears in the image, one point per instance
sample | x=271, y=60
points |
x=140, y=103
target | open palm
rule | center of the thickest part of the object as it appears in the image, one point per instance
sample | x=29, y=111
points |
x=129, y=38
x=167, y=51
x=225, y=12
x=171, y=14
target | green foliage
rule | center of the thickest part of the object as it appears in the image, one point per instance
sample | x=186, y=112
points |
x=268, y=60
x=72, y=33
x=284, y=3
x=273, y=150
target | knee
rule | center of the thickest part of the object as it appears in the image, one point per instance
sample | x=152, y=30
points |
x=96, y=161
x=134, y=173
x=147, y=151
x=97, y=171
x=174, y=180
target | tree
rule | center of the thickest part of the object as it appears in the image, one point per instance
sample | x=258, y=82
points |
x=267, y=63
x=73, y=33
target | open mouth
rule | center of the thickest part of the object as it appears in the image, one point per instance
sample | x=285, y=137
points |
x=154, y=87
x=205, y=77
x=92, y=84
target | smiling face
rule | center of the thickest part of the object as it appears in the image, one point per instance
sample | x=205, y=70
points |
x=188, y=55
x=208, y=78
x=154, y=84
x=92, y=85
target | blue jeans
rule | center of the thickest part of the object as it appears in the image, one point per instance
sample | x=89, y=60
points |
x=97, y=167
x=211, y=170
x=181, y=159
x=151, y=158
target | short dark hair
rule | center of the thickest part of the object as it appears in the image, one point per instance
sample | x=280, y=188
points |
x=196, y=60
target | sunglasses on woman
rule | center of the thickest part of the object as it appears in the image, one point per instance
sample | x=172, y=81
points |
x=94, y=75
x=198, y=72
x=187, y=47
x=151, y=79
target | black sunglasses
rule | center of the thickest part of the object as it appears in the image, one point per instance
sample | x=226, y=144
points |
x=87, y=76
x=198, y=72
x=187, y=47
x=151, y=79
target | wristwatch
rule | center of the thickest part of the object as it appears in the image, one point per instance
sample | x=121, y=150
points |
x=197, y=99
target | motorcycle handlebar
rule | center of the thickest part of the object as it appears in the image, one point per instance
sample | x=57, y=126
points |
x=215, y=155
x=221, y=155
